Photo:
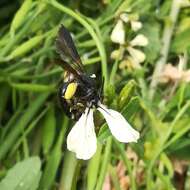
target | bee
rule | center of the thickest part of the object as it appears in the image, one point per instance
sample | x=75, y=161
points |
x=78, y=90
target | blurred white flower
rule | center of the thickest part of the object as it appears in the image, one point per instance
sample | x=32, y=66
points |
x=118, y=33
x=118, y=53
x=130, y=64
x=139, y=40
x=135, y=24
x=115, y=54
x=137, y=55
x=118, y=36
x=82, y=137
x=124, y=17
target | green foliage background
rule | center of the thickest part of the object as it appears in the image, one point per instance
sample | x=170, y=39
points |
x=33, y=128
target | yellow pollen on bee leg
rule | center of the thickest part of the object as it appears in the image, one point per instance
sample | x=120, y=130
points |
x=70, y=91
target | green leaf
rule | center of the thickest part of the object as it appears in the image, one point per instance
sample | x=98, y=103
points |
x=183, y=25
x=181, y=41
x=93, y=168
x=105, y=162
x=20, y=15
x=167, y=163
x=182, y=153
x=51, y=168
x=68, y=171
x=181, y=143
x=53, y=160
x=28, y=114
x=152, y=32
x=25, y=47
x=33, y=87
x=114, y=176
x=5, y=91
x=25, y=175
x=49, y=127
x=110, y=94
x=125, y=93
x=104, y=132
x=131, y=108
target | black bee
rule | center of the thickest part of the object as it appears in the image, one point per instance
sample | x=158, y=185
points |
x=78, y=90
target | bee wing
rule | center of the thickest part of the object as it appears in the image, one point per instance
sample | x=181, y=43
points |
x=66, y=66
x=67, y=50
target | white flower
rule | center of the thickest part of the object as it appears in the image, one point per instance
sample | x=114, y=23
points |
x=118, y=36
x=135, y=24
x=116, y=54
x=134, y=63
x=139, y=40
x=137, y=55
x=124, y=17
x=118, y=33
x=82, y=137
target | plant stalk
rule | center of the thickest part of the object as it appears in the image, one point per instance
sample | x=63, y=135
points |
x=166, y=40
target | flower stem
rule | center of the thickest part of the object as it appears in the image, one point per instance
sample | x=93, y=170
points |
x=113, y=71
x=68, y=171
x=105, y=163
x=166, y=39
x=127, y=163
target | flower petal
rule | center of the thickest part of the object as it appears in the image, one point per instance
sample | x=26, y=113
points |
x=82, y=137
x=115, y=54
x=134, y=64
x=118, y=53
x=124, y=17
x=136, y=25
x=118, y=33
x=119, y=127
x=139, y=40
x=136, y=54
